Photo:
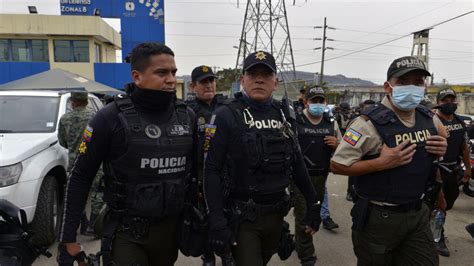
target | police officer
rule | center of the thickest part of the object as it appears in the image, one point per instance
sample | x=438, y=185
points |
x=343, y=116
x=203, y=85
x=146, y=142
x=251, y=157
x=458, y=150
x=298, y=105
x=70, y=129
x=318, y=136
x=391, y=149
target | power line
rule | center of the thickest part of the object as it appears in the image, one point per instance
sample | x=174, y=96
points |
x=229, y=36
x=385, y=42
x=405, y=20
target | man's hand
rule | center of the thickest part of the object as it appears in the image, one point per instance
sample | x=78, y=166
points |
x=436, y=145
x=331, y=141
x=312, y=219
x=394, y=157
x=221, y=240
x=67, y=253
x=467, y=175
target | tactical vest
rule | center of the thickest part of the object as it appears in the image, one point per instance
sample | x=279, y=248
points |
x=203, y=117
x=316, y=154
x=298, y=106
x=260, y=155
x=149, y=179
x=456, y=130
x=408, y=182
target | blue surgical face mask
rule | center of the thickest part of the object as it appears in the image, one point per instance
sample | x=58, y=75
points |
x=316, y=109
x=407, y=97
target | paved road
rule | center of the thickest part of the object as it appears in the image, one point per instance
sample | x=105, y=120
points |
x=335, y=248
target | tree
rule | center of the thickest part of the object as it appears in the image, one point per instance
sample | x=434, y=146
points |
x=226, y=77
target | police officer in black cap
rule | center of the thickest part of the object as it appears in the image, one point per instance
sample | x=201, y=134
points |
x=203, y=84
x=458, y=151
x=318, y=135
x=251, y=158
x=146, y=141
x=392, y=148
x=298, y=105
x=343, y=116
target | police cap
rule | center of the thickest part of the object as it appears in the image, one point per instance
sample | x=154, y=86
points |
x=202, y=72
x=314, y=92
x=260, y=57
x=403, y=65
x=445, y=93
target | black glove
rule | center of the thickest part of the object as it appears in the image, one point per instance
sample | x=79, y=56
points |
x=313, y=216
x=220, y=240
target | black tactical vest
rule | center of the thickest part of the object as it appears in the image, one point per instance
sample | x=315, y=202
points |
x=149, y=179
x=316, y=154
x=260, y=155
x=456, y=129
x=203, y=117
x=405, y=183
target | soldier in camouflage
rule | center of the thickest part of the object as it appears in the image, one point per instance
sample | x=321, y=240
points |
x=70, y=133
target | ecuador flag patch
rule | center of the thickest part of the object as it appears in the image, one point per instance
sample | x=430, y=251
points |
x=352, y=136
x=87, y=135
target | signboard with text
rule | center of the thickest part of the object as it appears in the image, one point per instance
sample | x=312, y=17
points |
x=141, y=20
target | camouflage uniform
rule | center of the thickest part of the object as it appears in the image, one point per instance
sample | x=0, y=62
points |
x=70, y=131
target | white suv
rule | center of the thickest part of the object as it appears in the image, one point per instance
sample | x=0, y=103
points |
x=32, y=163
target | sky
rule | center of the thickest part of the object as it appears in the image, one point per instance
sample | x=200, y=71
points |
x=205, y=31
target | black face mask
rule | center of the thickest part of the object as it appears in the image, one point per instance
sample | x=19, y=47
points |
x=448, y=108
x=152, y=100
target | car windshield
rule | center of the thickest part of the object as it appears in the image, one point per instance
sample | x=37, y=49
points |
x=23, y=114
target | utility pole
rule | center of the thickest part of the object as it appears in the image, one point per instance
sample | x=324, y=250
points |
x=324, y=48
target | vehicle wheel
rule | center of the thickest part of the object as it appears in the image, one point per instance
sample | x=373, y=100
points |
x=48, y=214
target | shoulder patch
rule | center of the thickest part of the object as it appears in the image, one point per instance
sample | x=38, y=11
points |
x=82, y=147
x=87, y=135
x=352, y=136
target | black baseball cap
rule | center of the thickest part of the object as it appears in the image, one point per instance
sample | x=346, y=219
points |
x=260, y=57
x=403, y=65
x=444, y=93
x=314, y=92
x=201, y=72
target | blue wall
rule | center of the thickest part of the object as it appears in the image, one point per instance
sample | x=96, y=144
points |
x=10, y=71
x=141, y=20
x=112, y=74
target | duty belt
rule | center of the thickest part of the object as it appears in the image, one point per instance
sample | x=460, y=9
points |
x=138, y=227
x=405, y=207
x=269, y=199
